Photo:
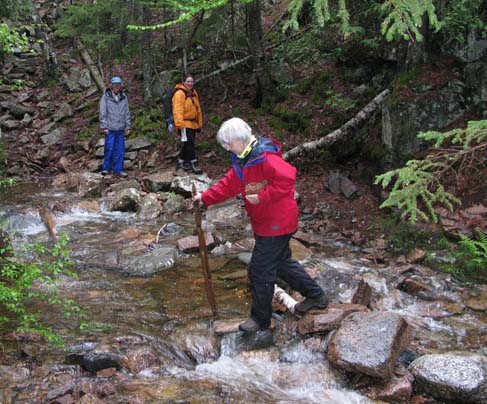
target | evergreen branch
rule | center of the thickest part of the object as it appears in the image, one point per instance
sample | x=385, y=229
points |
x=419, y=181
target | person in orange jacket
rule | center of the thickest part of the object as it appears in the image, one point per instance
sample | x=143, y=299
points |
x=188, y=119
x=267, y=184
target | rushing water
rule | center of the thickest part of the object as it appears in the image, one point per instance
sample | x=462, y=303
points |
x=165, y=318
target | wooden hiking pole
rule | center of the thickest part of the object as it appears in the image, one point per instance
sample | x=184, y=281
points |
x=204, y=254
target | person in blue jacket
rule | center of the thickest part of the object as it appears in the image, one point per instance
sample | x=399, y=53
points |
x=114, y=122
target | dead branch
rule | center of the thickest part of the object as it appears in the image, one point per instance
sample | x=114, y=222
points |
x=92, y=67
x=340, y=133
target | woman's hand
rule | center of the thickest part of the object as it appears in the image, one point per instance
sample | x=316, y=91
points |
x=197, y=197
x=253, y=199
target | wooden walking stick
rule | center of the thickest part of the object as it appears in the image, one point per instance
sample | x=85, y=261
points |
x=204, y=254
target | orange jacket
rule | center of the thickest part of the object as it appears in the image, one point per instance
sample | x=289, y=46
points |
x=186, y=109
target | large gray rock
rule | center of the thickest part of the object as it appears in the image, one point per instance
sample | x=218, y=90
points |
x=15, y=109
x=370, y=343
x=150, y=208
x=91, y=185
x=460, y=379
x=127, y=200
x=431, y=109
x=226, y=214
x=151, y=262
x=158, y=181
x=184, y=185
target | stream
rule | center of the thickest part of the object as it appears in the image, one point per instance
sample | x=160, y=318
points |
x=163, y=324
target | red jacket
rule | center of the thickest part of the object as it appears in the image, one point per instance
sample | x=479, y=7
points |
x=277, y=211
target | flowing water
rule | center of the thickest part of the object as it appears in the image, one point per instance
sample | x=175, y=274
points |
x=164, y=324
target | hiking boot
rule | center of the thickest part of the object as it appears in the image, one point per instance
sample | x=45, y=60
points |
x=122, y=174
x=187, y=167
x=249, y=325
x=105, y=172
x=311, y=303
x=195, y=168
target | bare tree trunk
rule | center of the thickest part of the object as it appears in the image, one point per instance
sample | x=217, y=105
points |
x=257, y=50
x=147, y=55
x=340, y=133
x=51, y=69
x=190, y=40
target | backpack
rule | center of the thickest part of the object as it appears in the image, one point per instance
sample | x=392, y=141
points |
x=167, y=105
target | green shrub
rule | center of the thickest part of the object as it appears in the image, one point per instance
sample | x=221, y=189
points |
x=29, y=276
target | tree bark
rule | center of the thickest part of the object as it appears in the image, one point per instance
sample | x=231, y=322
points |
x=147, y=55
x=51, y=69
x=257, y=50
x=340, y=133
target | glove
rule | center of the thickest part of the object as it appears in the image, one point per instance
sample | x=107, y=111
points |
x=171, y=128
x=198, y=130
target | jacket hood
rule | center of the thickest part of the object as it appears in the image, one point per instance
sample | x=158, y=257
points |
x=257, y=155
x=109, y=93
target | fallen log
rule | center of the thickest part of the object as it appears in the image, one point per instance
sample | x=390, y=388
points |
x=91, y=66
x=340, y=133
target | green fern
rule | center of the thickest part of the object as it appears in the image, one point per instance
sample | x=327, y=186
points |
x=473, y=253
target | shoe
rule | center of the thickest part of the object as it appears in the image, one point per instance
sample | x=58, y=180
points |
x=105, y=172
x=311, y=303
x=122, y=174
x=249, y=325
x=195, y=168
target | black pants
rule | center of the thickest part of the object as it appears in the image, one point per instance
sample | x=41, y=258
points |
x=188, y=152
x=271, y=259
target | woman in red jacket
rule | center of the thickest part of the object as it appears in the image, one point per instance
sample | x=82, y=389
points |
x=267, y=183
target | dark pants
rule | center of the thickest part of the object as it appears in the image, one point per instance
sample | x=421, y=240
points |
x=271, y=259
x=188, y=152
x=114, y=151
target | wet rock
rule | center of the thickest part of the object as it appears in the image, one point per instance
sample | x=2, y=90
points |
x=338, y=284
x=127, y=200
x=370, y=343
x=363, y=294
x=458, y=378
x=191, y=243
x=226, y=327
x=150, y=208
x=184, y=185
x=414, y=287
x=93, y=362
x=199, y=344
x=173, y=203
x=120, y=186
x=149, y=263
x=141, y=358
x=395, y=390
x=327, y=319
x=90, y=185
x=159, y=181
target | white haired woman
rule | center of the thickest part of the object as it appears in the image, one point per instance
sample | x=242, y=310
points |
x=267, y=183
